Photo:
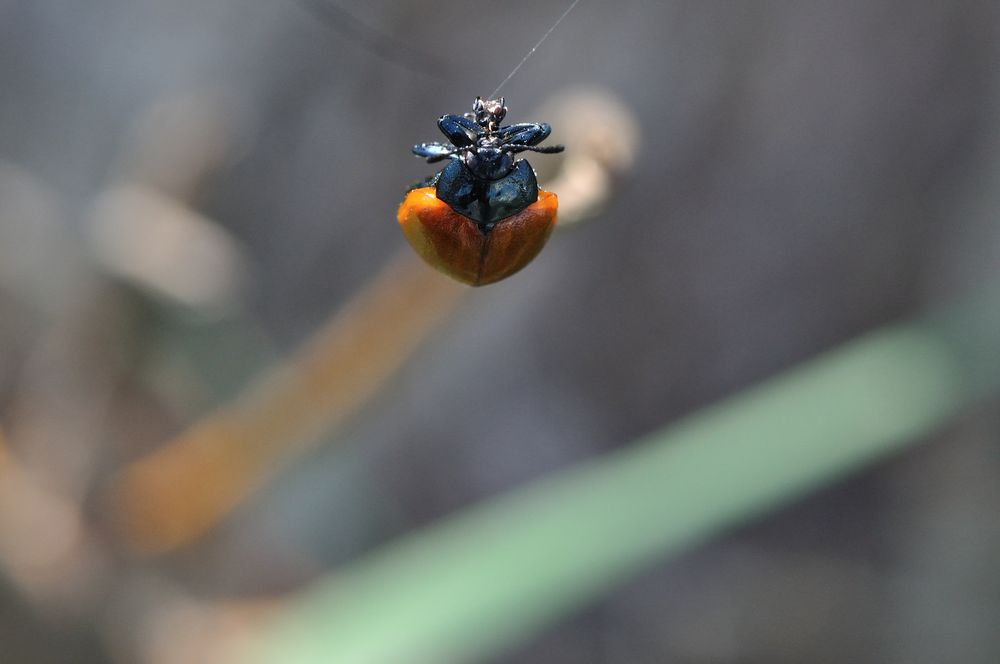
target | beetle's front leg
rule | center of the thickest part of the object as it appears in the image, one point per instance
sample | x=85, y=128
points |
x=433, y=152
x=460, y=130
x=525, y=133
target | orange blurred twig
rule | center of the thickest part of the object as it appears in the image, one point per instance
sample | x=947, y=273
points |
x=180, y=491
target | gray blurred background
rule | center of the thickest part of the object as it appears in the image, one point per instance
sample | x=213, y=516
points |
x=806, y=171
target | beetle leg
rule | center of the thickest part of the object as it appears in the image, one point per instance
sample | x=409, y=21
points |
x=525, y=133
x=461, y=131
x=434, y=151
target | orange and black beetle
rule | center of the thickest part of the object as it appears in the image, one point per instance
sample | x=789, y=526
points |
x=482, y=218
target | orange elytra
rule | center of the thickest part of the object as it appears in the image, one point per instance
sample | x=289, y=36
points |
x=456, y=245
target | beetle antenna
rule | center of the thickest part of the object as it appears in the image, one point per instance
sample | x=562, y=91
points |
x=533, y=49
x=545, y=149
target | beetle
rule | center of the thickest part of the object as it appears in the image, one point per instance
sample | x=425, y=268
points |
x=482, y=217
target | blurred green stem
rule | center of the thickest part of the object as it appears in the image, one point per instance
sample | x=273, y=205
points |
x=500, y=572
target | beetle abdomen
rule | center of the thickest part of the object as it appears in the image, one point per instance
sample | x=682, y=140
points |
x=455, y=244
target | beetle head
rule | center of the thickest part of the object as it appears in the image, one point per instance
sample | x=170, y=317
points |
x=489, y=113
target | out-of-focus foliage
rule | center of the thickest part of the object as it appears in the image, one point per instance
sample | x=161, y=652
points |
x=500, y=572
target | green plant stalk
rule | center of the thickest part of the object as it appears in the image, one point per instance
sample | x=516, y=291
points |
x=500, y=572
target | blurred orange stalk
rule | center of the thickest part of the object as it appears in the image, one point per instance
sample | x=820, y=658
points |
x=185, y=487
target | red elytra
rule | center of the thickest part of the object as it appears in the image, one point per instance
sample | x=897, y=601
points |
x=452, y=243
